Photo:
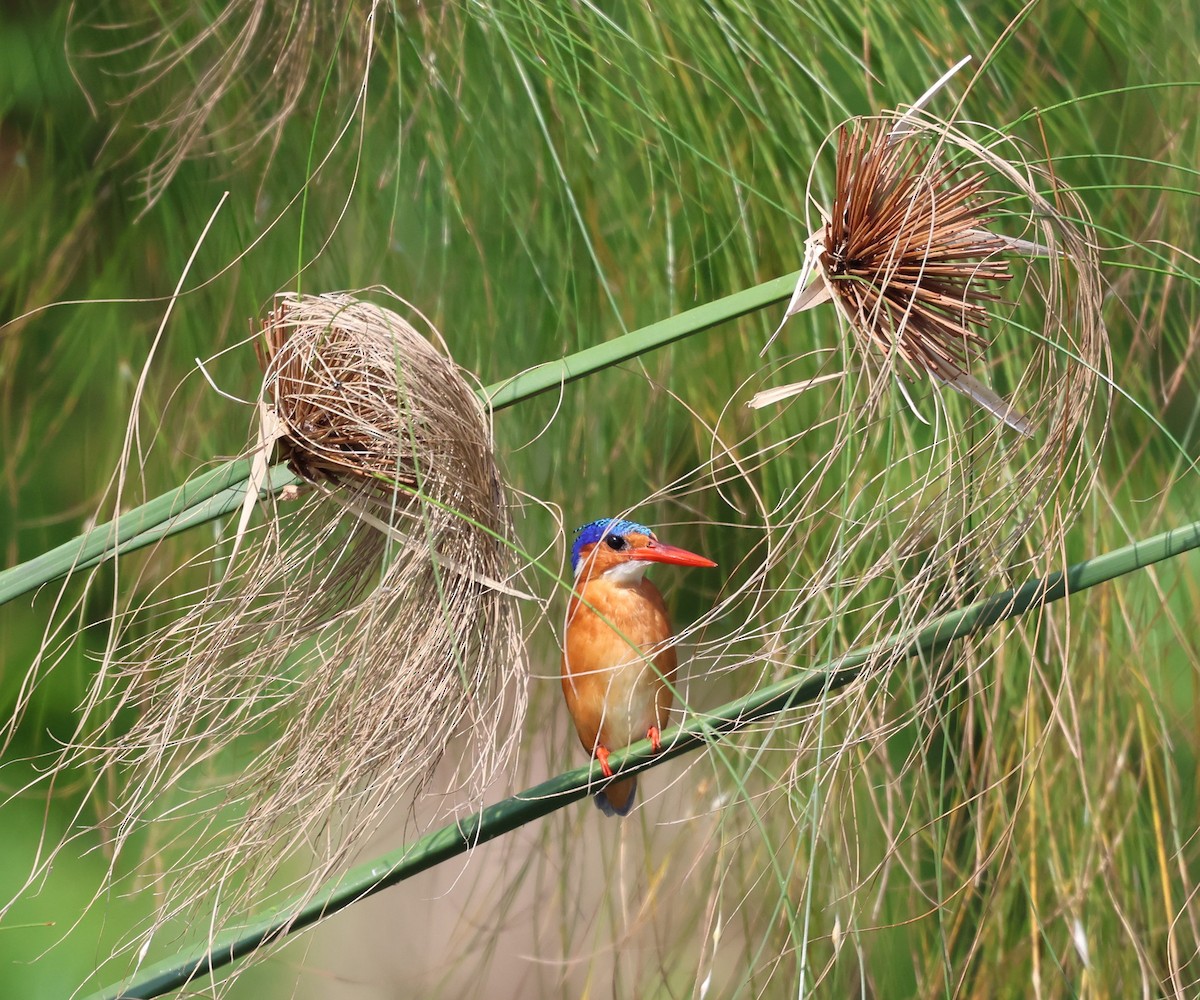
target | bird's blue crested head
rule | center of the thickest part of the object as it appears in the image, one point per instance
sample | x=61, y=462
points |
x=594, y=531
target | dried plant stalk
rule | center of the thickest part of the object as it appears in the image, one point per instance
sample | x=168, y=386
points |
x=366, y=630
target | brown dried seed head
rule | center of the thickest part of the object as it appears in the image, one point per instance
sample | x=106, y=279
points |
x=365, y=400
x=905, y=249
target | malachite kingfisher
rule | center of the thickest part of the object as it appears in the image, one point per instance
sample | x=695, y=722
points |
x=618, y=661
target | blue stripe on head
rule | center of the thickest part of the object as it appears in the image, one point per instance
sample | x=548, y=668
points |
x=593, y=531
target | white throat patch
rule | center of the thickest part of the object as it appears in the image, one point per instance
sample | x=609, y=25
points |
x=627, y=573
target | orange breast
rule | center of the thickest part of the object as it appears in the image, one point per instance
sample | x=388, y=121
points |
x=613, y=693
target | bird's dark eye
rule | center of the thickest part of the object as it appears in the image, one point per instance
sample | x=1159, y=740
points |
x=616, y=543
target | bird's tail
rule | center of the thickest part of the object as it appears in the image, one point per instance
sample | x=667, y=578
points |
x=618, y=797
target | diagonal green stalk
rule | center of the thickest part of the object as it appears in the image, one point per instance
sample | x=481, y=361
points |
x=540, y=800
x=162, y=516
x=220, y=490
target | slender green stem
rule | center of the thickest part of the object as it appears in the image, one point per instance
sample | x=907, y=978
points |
x=220, y=490
x=162, y=516
x=554, y=374
x=533, y=803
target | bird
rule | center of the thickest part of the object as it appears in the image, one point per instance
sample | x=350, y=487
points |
x=616, y=620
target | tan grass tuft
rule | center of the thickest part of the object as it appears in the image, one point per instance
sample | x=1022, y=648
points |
x=365, y=403
x=365, y=632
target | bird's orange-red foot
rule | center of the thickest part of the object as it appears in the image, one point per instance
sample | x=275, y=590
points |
x=655, y=738
x=602, y=756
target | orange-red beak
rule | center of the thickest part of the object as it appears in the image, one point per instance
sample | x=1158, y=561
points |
x=658, y=552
